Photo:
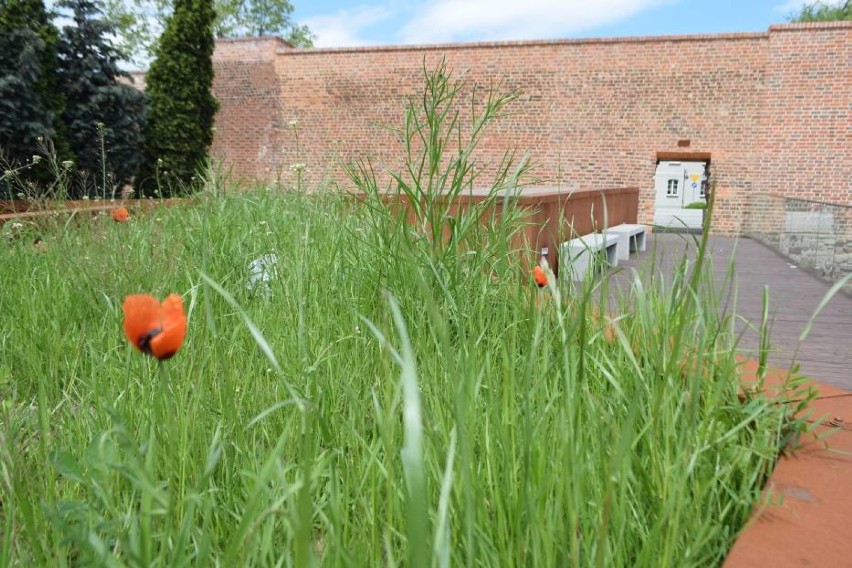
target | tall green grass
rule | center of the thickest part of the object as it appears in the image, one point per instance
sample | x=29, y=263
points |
x=392, y=398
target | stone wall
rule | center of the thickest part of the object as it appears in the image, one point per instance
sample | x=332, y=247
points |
x=814, y=235
x=771, y=109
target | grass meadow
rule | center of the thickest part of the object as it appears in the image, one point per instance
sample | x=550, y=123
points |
x=386, y=397
x=369, y=406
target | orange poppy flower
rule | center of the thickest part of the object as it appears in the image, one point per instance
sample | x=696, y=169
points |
x=153, y=328
x=540, y=276
x=120, y=215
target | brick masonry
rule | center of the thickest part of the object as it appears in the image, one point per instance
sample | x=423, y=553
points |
x=773, y=109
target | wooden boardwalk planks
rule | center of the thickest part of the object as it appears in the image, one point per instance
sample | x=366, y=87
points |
x=794, y=295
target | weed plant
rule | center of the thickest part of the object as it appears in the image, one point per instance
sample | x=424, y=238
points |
x=401, y=393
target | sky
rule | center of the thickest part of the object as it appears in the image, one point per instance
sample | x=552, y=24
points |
x=338, y=23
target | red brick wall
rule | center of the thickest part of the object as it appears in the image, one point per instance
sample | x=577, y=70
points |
x=806, y=146
x=772, y=109
x=248, y=124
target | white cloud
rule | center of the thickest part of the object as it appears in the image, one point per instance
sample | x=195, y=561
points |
x=454, y=20
x=345, y=27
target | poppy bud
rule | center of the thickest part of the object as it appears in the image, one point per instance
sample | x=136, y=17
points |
x=120, y=215
x=540, y=276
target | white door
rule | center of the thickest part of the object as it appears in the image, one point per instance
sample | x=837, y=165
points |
x=677, y=185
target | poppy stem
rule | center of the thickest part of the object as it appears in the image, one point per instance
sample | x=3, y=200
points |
x=162, y=385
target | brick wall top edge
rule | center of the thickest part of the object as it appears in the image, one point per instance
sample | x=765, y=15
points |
x=259, y=39
x=809, y=26
x=522, y=43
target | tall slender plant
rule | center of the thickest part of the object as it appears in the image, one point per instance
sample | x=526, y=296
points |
x=424, y=206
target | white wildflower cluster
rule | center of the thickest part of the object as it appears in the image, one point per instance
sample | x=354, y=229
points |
x=293, y=123
x=298, y=167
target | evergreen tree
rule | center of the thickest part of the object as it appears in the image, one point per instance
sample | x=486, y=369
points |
x=104, y=118
x=181, y=103
x=31, y=105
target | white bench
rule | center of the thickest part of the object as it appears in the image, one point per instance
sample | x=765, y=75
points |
x=630, y=237
x=579, y=252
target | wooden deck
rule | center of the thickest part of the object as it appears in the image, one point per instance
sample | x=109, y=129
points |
x=794, y=294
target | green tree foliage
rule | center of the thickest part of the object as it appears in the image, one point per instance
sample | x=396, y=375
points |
x=236, y=18
x=138, y=23
x=138, y=27
x=104, y=118
x=24, y=118
x=31, y=105
x=822, y=12
x=181, y=103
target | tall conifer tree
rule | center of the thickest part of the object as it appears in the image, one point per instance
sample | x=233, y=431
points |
x=182, y=107
x=31, y=105
x=104, y=118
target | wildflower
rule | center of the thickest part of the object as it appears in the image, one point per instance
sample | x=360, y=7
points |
x=540, y=276
x=120, y=215
x=67, y=164
x=154, y=328
x=298, y=167
x=36, y=159
x=17, y=226
x=293, y=123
